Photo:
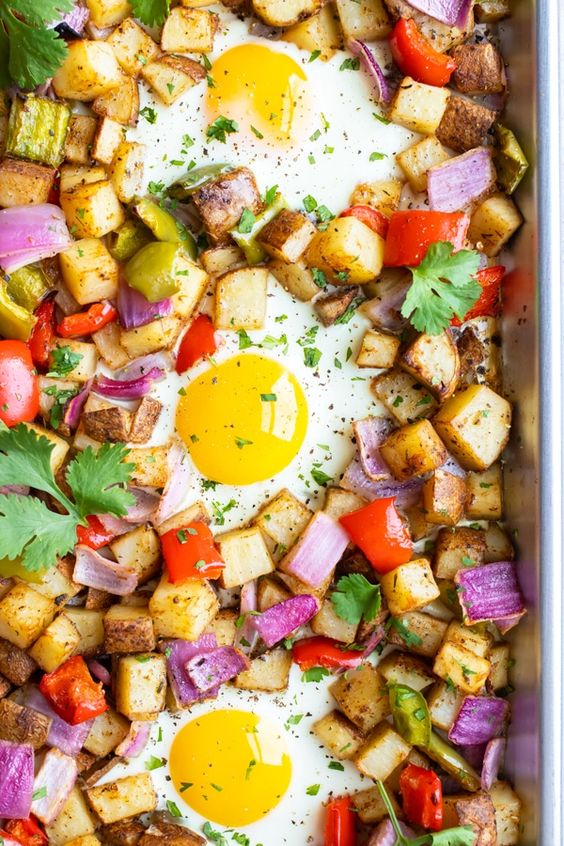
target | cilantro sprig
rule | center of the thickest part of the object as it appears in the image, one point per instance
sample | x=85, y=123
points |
x=30, y=52
x=29, y=530
x=150, y=12
x=355, y=599
x=442, y=286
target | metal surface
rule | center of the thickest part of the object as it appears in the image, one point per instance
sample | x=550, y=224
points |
x=532, y=345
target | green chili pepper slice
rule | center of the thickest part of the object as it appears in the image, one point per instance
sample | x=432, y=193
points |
x=27, y=286
x=184, y=187
x=16, y=322
x=152, y=271
x=510, y=160
x=128, y=239
x=164, y=226
x=248, y=241
x=411, y=714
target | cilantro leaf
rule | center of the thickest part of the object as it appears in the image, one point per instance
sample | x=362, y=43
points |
x=220, y=128
x=315, y=674
x=64, y=361
x=95, y=479
x=35, y=53
x=30, y=531
x=442, y=286
x=151, y=12
x=409, y=638
x=25, y=460
x=39, y=12
x=5, y=79
x=459, y=836
x=355, y=598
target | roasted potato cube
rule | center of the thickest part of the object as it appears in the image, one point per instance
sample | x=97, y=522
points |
x=132, y=46
x=73, y=175
x=107, y=342
x=493, y=223
x=157, y=335
x=80, y=137
x=270, y=592
x=60, y=446
x=268, y=672
x=195, y=513
x=370, y=807
x=128, y=629
x=92, y=210
x=460, y=667
x=240, y=299
x=444, y=498
x=362, y=696
x=463, y=124
x=475, y=811
x=224, y=627
x=141, y=551
x=126, y=170
x=507, y=808
x=218, y=260
x=405, y=398
x=296, y=278
x=189, y=31
x=348, y=252
x=87, y=840
x=182, y=610
x=480, y=357
x=57, y=583
x=382, y=752
x=413, y=450
x=19, y=724
x=442, y=36
x=434, y=361
x=151, y=466
x=485, y=494
x=341, y=737
x=476, y=639
x=409, y=587
x=176, y=835
x=124, y=833
x=498, y=545
x=417, y=160
x=171, y=76
x=109, y=135
x=126, y=797
x=418, y=106
x=24, y=614
x=475, y=425
x=86, y=365
x=222, y=200
x=23, y=183
x=400, y=668
x=382, y=195
x=331, y=307
x=366, y=20
x=287, y=236
x=245, y=554
x=444, y=701
x=106, y=13
x=57, y=643
x=318, y=32
x=88, y=70
x=378, y=349
x=90, y=627
x=339, y=502
x=144, y=420
x=284, y=13
x=108, y=730
x=141, y=686
x=89, y=271
x=327, y=622
x=120, y=104
x=479, y=69
x=74, y=820
x=282, y=520
x=15, y=664
x=108, y=424
x=193, y=281
x=458, y=548
x=492, y=11
x=499, y=658
x=427, y=633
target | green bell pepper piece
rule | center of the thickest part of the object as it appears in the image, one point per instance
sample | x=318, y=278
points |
x=248, y=242
x=128, y=239
x=152, y=271
x=37, y=129
x=510, y=161
x=452, y=762
x=16, y=322
x=27, y=286
x=184, y=187
x=165, y=227
x=411, y=714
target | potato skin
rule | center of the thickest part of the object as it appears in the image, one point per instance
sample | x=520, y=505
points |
x=221, y=201
x=19, y=724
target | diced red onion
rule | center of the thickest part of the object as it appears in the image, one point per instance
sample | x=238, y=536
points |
x=74, y=406
x=131, y=390
x=135, y=310
x=136, y=740
x=459, y=182
x=371, y=66
x=69, y=739
x=493, y=761
x=141, y=366
x=384, y=310
x=355, y=479
x=174, y=493
x=93, y=570
x=100, y=672
x=209, y=670
x=451, y=12
x=280, y=620
x=505, y=624
x=247, y=635
x=317, y=551
x=489, y=592
x=375, y=639
x=57, y=776
x=473, y=754
x=116, y=525
x=30, y=233
x=76, y=19
x=479, y=719
x=384, y=834
x=146, y=502
x=16, y=779
x=370, y=433
x=178, y=653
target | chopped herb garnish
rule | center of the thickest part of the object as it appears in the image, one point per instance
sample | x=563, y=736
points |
x=315, y=674
x=220, y=128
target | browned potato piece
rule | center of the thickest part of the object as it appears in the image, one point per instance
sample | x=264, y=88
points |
x=348, y=252
x=378, y=349
x=462, y=667
x=22, y=183
x=404, y=668
x=144, y=420
x=222, y=201
x=128, y=629
x=240, y=299
x=434, y=361
x=319, y=32
x=444, y=498
x=442, y=36
x=126, y=797
x=362, y=696
x=464, y=124
x=370, y=807
x=108, y=424
x=108, y=730
x=366, y=20
x=458, y=548
x=417, y=160
x=281, y=521
x=493, y=223
x=332, y=306
x=15, y=664
x=120, y=104
x=80, y=137
x=218, y=260
x=328, y=623
x=285, y=12
x=383, y=195
x=88, y=70
x=287, y=236
x=341, y=737
x=383, y=751
x=485, y=494
x=164, y=833
x=413, y=450
x=409, y=587
x=507, y=807
x=92, y=210
x=171, y=76
x=123, y=833
x=479, y=69
x=141, y=685
x=19, y=724
x=270, y=592
x=419, y=107
x=189, y=31
x=296, y=278
x=268, y=672
x=132, y=46
x=428, y=633
x=405, y=398
x=476, y=811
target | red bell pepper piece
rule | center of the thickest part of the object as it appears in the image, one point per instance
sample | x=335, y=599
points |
x=372, y=218
x=73, y=693
x=190, y=553
x=422, y=797
x=323, y=652
x=86, y=322
x=411, y=233
x=487, y=304
x=379, y=531
x=198, y=342
x=415, y=56
x=28, y=832
x=94, y=535
x=43, y=334
x=340, y=827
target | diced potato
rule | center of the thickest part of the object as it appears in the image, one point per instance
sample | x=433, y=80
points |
x=220, y=259
x=268, y=672
x=126, y=797
x=498, y=545
x=282, y=520
x=441, y=36
x=417, y=160
x=245, y=554
x=60, y=446
x=400, y=668
x=87, y=840
x=460, y=667
x=23, y=183
x=362, y=696
x=270, y=592
x=132, y=46
x=382, y=752
x=348, y=252
x=108, y=730
x=493, y=223
x=221, y=201
x=85, y=368
x=413, y=450
x=184, y=609
x=57, y=643
x=382, y=195
x=157, y=335
x=73, y=175
x=195, y=513
x=507, y=807
x=80, y=137
x=287, y=236
x=89, y=70
x=74, y=820
x=106, y=13
x=444, y=702
x=476, y=639
x=378, y=349
x=327, y=622
x=240, y=299
x=444, y=498
x=108, y=137
x=171, y=76
x=90, y=627
x=409, y=587
x=193, y=281
x=284, y=13
x=92, y=210
x=339, y=502
x=499, y=658
x=475, y=425
x=492, y=11
x=24, y=614
x=189, y=31
x=151, y=469
x=418, y=106
x=485, y=494
x=476, y=811
x=370, y=806
x=480, y=354
x=341, y=737
x=367, y=20
x=458, y=548
x=318, y=32
x=464, y=124
x=298, y=587
x=107, y=342
x=296, y=278
x=120, y=104
x=224, y=627
x=418, y=526
x=126, y=170
x=57, y=583
x=141, y=686
x=128, y=629
x=434, y=361
x=428, y=633
x=405, y=398
x=89, y=271
x=140, y=550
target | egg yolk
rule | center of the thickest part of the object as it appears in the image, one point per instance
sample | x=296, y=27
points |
x=243, y=421
x=260, y=88
x=230, y=766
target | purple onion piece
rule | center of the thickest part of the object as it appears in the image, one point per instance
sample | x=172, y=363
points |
x=141, y=366
x=136, y=740
x=459, y=182
x=52, y=786
x=130, y=390
x=75, y=19
x=281, y=620
x=384, y=834
x=178, y=653
x=69, y=739
x=380, y=84
x=370, y=433
x=16, y=779
x=317, y=551
x=209, y=670
x=490, y=592
x=384, y=310
x=174, y=493
x=135, y=310
x=93, y=570
x=451, y=12
x=74, y=406
x=493, y=761
x=99, y=672
x=479, y=719
x=355, y=479
x=146, y=503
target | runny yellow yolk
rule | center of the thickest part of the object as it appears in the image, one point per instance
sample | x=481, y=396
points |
x=263, y=90
x=231, y=767
x=243, y=421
